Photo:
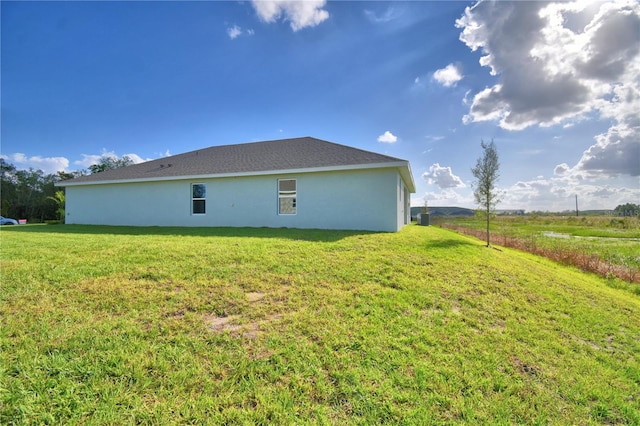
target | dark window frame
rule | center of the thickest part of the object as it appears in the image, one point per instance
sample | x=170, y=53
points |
x=198, y=200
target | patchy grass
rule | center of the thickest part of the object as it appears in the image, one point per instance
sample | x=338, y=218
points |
x=114, y=325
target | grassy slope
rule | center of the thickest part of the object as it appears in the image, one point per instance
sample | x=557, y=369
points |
x=120, y=325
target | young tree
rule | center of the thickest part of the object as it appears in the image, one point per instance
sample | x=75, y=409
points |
x=487, y=174
x=59, y=200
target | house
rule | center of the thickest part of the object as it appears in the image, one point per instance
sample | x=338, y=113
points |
x=295, y=183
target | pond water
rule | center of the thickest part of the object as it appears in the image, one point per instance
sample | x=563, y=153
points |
x=552, y=234
x=555, y=234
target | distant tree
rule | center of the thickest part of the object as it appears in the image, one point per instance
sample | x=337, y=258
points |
x=109, y=163
x=628, y=209
x=7, y=187
x=27, y=194
x=487, y=174
x=62, y=175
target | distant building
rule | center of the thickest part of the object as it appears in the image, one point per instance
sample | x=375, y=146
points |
x=515, y=212
x=442, y=211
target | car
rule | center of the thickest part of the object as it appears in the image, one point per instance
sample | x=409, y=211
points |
x=7, y=221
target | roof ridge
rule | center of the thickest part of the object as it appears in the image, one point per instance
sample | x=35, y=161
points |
x=358, y=149
x=248, y=158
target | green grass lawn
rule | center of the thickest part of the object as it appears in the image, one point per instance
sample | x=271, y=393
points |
x=116, y=325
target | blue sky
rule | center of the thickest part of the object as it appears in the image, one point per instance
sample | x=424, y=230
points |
x=556, y=85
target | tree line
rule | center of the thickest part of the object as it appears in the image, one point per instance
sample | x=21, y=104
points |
x=628, y=209
x=32, y=194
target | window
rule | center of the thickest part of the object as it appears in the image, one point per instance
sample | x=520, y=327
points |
x=287, y=196
x=198, y=198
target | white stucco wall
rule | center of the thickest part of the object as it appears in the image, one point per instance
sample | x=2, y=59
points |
x=369, y=199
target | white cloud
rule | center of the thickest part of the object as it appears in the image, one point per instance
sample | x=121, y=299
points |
x=389, y=15
x=561, y=169
x=558, y=194
x=614, y=153
x=236, y=31
x=90, y=159
x=387, y=137
x=448, y=76
x=48, y=165
x=557, y=63
x=443, y=177
x=553, y=194
x=419, y=84
x=447, y=197
x=136, y=158
x=465, y=100
x=300, y=14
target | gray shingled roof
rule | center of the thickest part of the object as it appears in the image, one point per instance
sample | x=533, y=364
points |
x=247, y=158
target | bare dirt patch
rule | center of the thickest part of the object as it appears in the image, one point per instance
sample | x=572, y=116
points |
x=254, y=296
x=219, y=324
x=232, y=324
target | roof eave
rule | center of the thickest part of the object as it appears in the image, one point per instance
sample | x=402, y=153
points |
x=407, y=176
x=403, y=166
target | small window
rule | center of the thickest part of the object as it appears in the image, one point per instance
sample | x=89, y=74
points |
x=287, y=196
x=198, y=198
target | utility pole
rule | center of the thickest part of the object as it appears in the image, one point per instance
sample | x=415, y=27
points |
x=577, y=205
